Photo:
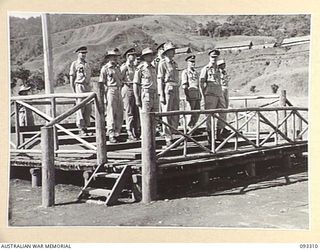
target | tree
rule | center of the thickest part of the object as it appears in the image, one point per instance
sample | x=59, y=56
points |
x=20, y=73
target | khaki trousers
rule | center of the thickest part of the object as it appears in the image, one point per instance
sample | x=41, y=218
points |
x=215, y=102
x=83, y=115
x=172, y=103
x=114, y=110
x=131, y=111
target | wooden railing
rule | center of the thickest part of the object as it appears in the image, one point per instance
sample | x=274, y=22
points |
x=49, y=136
x=49, y=120
x=264, y=123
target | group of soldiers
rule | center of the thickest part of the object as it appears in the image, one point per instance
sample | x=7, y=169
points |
x=150, y=82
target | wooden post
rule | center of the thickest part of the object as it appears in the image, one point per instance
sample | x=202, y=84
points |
x=204, y=179
x=100, y=124
x=148, y=146
x=299, y=129
x=246, y=119
x=48, y=61
x=251, y=169
x=86, y=176
x=55, y=131
x=213, y=133
x=293, y=126
x=18, y=140
x=185, y=132
x=35, y=177
x=258, y=130
x=48, y=169
x=283, y=114
x=237, y=128
x=277, y=126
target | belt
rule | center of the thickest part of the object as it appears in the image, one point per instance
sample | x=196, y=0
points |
x=112, y=87
x=129, y=84
x=175, y=84
x=149, y=90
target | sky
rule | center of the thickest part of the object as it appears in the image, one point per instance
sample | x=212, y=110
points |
x=24, y=14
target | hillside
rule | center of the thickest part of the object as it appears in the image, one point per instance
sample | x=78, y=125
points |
x=261, y=68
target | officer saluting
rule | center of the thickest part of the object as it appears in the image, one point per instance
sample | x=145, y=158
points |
x=80, y=74
x=131, y=110
x=190, y=84
x=145, y=83
x=110, y=76
x=211, y=90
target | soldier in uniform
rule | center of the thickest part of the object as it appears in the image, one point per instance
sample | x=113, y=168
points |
x=190, y=84
x=145, y=83
x=168, y=87
x=211, y=91
x=80, y=74
x=25, y=115
x=225, y=78
x=110, y=76
x=130, y=108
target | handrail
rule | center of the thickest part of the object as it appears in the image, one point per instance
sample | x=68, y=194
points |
x=72, y=110
x=55, y=95
x=253, y=97
x=209, y=111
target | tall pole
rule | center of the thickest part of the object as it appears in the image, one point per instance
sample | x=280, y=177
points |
x=148, y=146
x=100, y=124
x=48, y=134
x=48, y=61
x=48, y=69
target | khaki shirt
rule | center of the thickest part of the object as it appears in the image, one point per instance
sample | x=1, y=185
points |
x=145, y=75
x=127, y=73
x=110, y=75
x=190, y=80
x=168, y=71
x=81, y=71
x=212, y=80
x=156, y=62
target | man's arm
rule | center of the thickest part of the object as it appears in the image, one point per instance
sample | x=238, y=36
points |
x=185, y=84
x=161, y=85
x=202, y=83
x=137, y=87
x=72, y=77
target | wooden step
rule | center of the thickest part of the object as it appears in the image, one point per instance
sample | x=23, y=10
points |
x=120, y=183
x=97, y=192
x=107, y=175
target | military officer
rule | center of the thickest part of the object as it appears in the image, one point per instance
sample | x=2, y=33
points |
x=211, y=91
x=110, y=76
x=130, y=108
x=168, y=87
x=80, y=74
x=145, y=83
x=25, y=115
x=225, y=78
x=190, y=84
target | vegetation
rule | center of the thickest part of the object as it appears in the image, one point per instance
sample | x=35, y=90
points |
x=21, y=27
x=278, y=26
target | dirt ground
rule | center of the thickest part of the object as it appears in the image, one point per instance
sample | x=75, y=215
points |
x=278, y=200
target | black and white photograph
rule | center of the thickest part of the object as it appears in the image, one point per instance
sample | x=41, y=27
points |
x=159, y=120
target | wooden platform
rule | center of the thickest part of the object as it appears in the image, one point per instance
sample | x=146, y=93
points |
x=129, y=153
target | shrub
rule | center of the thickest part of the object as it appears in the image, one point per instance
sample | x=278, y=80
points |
x=253, y=89
x=274, y=88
